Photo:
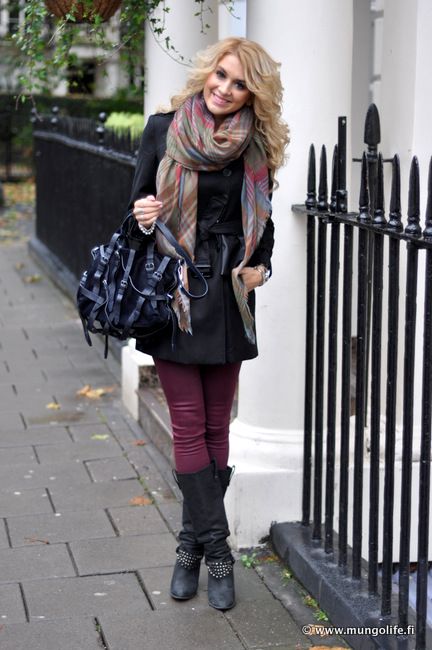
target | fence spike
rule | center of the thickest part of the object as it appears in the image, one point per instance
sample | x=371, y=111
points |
x=427, y=232
x=372, y=131
x=378, y=214
x=413, y=226
x=395, y=213
x=311, y=179
x=54, y=118
x=364, y=191
x=33, y=115
x=335, y=180
x=100, y=129
x=322, y=189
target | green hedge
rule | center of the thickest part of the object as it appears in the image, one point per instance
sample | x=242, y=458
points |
x=132, y=123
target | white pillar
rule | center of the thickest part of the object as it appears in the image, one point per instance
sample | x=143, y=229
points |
x=232, y=22
x=313, y=42
x=131, y=363
x=164, y=74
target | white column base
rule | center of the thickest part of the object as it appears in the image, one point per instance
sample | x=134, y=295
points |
x=131, y=362
x=256, y=498
x=267, y=483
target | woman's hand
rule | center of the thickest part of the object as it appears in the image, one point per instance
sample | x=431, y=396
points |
x=147, y=210
x=252, y=278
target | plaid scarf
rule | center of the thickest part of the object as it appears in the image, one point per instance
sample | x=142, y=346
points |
x=193, y=146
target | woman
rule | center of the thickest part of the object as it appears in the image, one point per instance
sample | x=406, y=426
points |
x=205, y=168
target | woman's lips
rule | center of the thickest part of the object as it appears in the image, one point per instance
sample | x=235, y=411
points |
x=219, y=100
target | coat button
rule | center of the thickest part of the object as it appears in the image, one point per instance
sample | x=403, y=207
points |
x=226, y=172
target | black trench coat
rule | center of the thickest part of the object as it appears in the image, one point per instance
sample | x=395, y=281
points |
x=218, y=332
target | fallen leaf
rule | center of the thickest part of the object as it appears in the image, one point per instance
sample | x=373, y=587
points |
x=100, y=436
x=35, y=539
x=53, y=406
x=19, y=266
x=140, y=501
x=29, y=279
x=94, y=393
x=139, y=443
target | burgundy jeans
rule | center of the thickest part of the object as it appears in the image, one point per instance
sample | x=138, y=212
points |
x=199, y=399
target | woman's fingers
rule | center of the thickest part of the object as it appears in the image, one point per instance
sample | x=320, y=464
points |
x=147, y=210
x=251, y=277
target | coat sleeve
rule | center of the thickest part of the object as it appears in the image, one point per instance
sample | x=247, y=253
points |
x=264, y=250
x=144, y=181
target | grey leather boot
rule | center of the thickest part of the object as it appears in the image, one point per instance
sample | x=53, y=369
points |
x=185, y=578
x=203, y=495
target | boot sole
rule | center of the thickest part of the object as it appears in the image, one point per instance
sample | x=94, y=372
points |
x=182, y=597
x=223, y=609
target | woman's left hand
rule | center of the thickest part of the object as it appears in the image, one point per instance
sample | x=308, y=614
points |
x=251, y=277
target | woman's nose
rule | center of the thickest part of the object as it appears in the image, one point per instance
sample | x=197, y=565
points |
x=225, y=86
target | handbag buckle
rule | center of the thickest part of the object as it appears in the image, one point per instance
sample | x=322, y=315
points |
x=204, y=268
x=149, y=266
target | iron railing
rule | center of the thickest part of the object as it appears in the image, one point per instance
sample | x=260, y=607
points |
x=84, y=173
x=336, y=420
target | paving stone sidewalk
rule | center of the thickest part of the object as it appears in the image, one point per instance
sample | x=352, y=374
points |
x=81, y=567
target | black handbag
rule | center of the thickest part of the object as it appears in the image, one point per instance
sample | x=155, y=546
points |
x=127, y=290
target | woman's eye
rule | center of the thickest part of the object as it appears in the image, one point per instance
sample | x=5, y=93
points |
x=240, y=85
x=220, y=74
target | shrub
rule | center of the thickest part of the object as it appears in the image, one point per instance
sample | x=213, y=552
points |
x=132, y=123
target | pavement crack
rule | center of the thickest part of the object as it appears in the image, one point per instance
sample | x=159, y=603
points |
x=72, y=559
x=8, y=535
x=144, y=589
x=50, y=500
x=24, y=601
x=36, y=454
x=86, y=467
x=102, y=640
x=112, y=522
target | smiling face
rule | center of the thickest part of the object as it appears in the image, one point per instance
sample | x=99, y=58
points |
x=225, y=90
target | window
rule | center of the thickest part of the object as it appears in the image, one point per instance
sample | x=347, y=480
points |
x=81, y=78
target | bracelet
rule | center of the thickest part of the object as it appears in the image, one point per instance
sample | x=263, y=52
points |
x=262, y=269
x=265, y=273
x=147, y=231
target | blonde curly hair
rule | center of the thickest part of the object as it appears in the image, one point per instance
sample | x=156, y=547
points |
x=261, y=74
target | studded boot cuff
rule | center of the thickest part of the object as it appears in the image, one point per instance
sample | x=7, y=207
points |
x=188, y=560
x=220, y=569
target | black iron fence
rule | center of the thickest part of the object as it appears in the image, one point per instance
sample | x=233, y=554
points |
x=359, y=392
x=84, y=174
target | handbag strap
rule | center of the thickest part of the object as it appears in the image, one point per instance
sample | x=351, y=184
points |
x=182, y=253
